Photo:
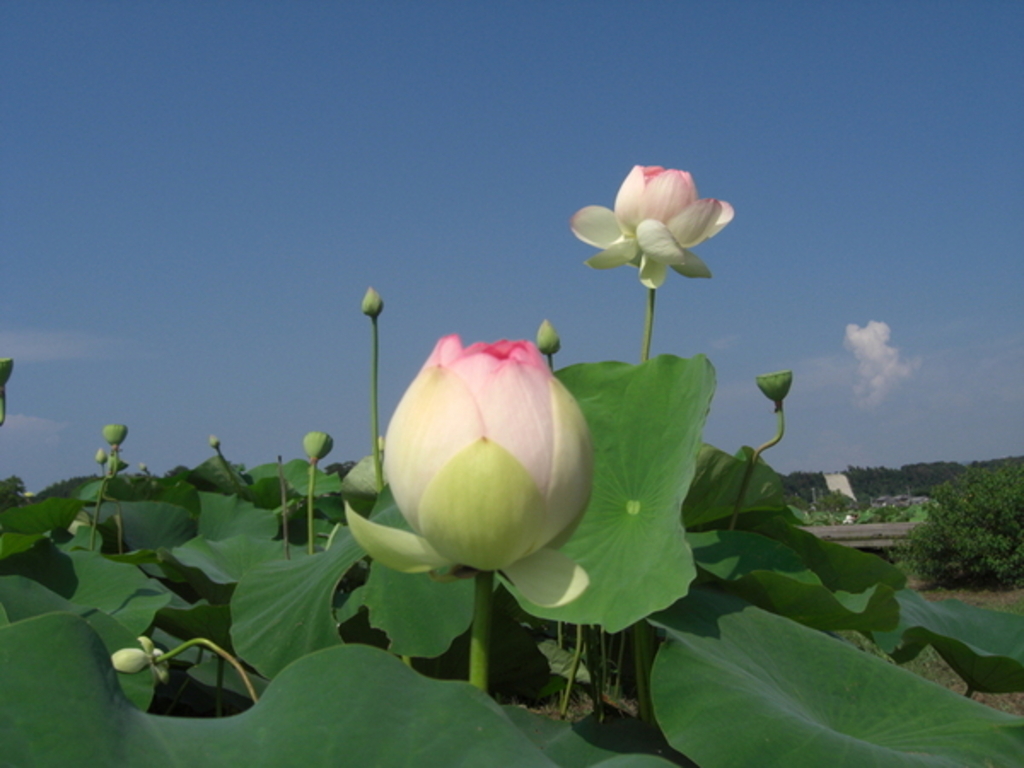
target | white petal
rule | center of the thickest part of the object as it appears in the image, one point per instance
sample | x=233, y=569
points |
x=596, y=225
x=616, y=256
x=667, y=194
x=652, y=273
x=436, y=418
x=627, y=201
x=697, y=222
x=400, y=550
x=548, y=578
x=656, y=242
x=693, y=267
x=724, y=217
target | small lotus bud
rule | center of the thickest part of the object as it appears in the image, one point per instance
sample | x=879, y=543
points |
x=775, y=386
x=317, y=445
x=101, y=456
x=373, y=305
x=130, y=660
x=214, y=442
x=115, y=434
x=143, y=468
x=548, y=341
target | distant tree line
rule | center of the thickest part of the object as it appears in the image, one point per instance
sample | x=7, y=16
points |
x=871, y=482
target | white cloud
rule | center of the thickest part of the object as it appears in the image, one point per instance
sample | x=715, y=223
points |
x=879, y=367
x=29, y=346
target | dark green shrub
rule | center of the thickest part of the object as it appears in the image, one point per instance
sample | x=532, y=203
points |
x=975, y=531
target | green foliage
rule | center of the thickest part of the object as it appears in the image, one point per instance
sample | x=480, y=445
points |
x=975, y=532
x=871, y=482
x=65, y=489
x=12, y=492
x=738, y=592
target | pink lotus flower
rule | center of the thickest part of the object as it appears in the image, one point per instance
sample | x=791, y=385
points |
x=489, y=459
x=657, y=219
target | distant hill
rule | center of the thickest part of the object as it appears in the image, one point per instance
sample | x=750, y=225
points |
x=871, y=482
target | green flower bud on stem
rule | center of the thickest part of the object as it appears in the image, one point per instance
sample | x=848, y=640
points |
x=214, y=442
x=317, y=445
x=373, y=305
x=548, y=341
x=775, y=386
x=101, y=457
x=115, y=434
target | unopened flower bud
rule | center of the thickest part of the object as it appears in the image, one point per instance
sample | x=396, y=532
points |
x=317, y=445
x=373, y=305
x=101, y=456
x=115, y=434
x=775, y=386
x=130, y=660
x=548, y=341
x=214, y=442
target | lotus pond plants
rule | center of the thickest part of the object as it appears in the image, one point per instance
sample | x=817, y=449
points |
x=533, y=565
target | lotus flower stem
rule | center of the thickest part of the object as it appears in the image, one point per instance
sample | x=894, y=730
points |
x=780, y=430
x=645, y=350
x=643, y=660
x=311, y=491
x=378, y=467
x=204, y=643
x=573, y=668
x=480, y=639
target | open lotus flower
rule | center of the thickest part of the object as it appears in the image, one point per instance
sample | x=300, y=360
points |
x=657, y=219
x=489, y=459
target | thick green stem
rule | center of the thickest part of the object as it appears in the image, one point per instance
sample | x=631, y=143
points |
x=645, y=350
x=643, y=662
x=96, y=511
x=780, y=430
x=378, y=467
x=480, y=640
x=309, y=507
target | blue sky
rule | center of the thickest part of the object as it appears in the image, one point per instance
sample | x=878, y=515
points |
x=194, y=197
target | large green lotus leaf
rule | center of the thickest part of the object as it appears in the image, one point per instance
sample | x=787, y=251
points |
x=737, y=686
x=296, y=474
x=840, y=568
x=348, y=705
x=212, y=475
x=359, y=486
x=986, y=648
x=225, y=516
x=213, y=568
x=23, y=598
x=282, y=609
x=575, y=745
x=420, y=616
x=646, y=422
x=201, y=620
x=15, y=543
x=41, y=517
x=151, y=524
x=90, y=580
x=717, y=483
x=772, y=576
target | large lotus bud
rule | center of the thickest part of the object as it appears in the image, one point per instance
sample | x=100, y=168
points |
x=489, y=459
